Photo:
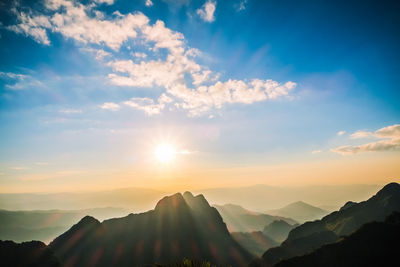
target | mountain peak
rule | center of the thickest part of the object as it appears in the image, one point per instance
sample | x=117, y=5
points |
x=173, y=201
x=88, y=220
x=389, y=189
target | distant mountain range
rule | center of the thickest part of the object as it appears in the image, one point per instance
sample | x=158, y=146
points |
x=132, y=199
x=239, y=219
x=312, y=235
x=180, y=226
x=258, y=197
x=300, y=211
x=265, y=197
x=46, y=225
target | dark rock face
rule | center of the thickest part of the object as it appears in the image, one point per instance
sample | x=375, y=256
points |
x=179, y=227
x=374, y=244
x=331, y=227
x=26, y=254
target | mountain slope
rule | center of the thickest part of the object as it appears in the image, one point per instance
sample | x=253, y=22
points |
x=300, y=211
x=239, y=219
x=278, y=230
x=374, y=244
x=179, y=227
x=311, y=235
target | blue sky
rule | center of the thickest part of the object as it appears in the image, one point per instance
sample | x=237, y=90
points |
x=229, y=84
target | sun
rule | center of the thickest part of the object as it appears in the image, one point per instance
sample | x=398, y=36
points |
x=165, y=153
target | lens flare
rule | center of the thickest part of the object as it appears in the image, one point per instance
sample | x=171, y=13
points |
x=165, y=153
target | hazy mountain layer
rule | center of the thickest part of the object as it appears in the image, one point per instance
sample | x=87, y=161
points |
x=132, y=199
x=300, y=211
x=239, y=219
x=179, y=227
x=254, y=242
x=264, y=197
x=374, y=244
x=46, y=225
x=278, y=230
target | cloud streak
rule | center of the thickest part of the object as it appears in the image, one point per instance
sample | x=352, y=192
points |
x=389, y=134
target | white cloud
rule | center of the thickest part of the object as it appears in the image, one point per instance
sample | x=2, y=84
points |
x=340, y=133
x=390, y=136
x=316, y=152
x=206, y=12
x=110, y=106
x=108, y=2
x=139, y=55
x=171, y=64
x=149, y=3
x=33, y=26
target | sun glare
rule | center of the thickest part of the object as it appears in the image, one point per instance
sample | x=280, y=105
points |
x=165, y=153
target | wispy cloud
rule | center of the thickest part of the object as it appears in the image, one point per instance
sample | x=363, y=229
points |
x=149, y=3
x=390, y=140
x=206, y=12
x=316, y=151
x=18, y=81
x=340, y=133
x=110, y=106
x=361, y=134
x=70, y=111
x=187, y=84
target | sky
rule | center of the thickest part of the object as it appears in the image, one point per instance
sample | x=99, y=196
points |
x=194, y=94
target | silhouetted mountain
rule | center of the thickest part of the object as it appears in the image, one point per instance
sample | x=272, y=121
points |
x=300, y=211
x=254, y=242
x=239, y=219
x=26, y=254
x=278, y=230
x=374, y=244
x=179, y=227
x=311, y=235
x=45, y=225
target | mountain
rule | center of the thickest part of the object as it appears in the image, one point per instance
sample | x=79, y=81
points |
x=27, y=254
x=374, y=244
x=254, y=242
x=265, y=197
x=312, y=235
x=239, y=219
x=180, y=226
x=278, y=230
x=45, y=225
x=300, y=211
